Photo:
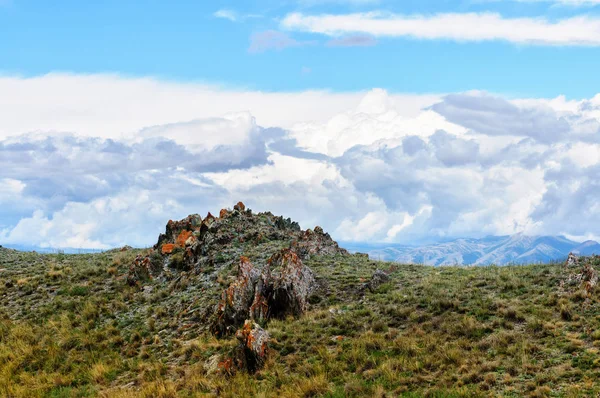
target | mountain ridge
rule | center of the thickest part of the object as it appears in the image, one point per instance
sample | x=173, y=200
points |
x=498, y=250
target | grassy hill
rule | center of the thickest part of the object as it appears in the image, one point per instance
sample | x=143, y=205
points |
x=71, y=326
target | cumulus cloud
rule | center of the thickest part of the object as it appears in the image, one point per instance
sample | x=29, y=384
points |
x=371, y=166
x=466, y=27
x=492, y=115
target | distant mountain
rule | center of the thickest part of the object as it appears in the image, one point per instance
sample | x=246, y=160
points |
x=500, y=250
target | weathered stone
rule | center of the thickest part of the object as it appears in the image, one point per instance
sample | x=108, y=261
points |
x=378, y=279
x=174, y=229
x=234, y=307
x=292, y=288
x=139, y=271
x=258, y=295
x=254, y=345
x=572, y=260
x=223, y=213
x=239, y=206
x=587, y=277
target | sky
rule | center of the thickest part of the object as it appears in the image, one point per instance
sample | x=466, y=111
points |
x=382, y=121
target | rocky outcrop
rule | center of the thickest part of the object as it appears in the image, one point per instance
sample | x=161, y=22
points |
x=262, y=294
x=197, y=243
x=293, y=286
x=234, y=307
x=585, y=275
x=317, y=242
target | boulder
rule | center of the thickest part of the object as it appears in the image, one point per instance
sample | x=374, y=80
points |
x=378, y=279
x=239, y=207
x=253, y=346
x=259, y=295
x=585, y=275
x=234, y=307
x=293, y=286
x=139, y=271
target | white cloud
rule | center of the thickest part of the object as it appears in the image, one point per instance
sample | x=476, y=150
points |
x=226, y=14
x=112, y=106
x=467, y=27
x=366, y=166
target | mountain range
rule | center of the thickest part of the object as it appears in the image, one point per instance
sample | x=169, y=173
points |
x=499, y=250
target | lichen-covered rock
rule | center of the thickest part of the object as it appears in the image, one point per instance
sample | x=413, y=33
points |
x=293, y=286
x=239, y=206
x=251, y=352
x=139, y=270
x=259, y=295
x=586, y=276
x=379, y=278
x=144, y=268
x=316, y=242
x=253, y=347
x=174, y=229
x=234, y=307
x=572, y=260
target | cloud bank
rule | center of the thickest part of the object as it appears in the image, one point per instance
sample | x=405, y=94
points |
x=464, y=27
x=106, y=161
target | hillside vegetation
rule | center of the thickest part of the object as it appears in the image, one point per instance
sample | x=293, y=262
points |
x=94, y=325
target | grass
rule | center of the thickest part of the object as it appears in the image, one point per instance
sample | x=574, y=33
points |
x=71, y=327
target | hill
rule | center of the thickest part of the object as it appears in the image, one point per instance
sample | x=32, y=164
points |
x=498, y=250
x=248, y=304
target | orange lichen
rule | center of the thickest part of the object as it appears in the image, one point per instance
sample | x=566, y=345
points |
x=168, y=248
x=183, y=236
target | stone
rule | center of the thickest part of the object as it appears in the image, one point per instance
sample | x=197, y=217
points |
x=253, y=346
x=379, y=278
x=139, y=271
x=234, y=307
x=295, y=283
x=239, y=207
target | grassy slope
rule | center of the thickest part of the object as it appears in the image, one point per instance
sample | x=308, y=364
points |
x=69, y=326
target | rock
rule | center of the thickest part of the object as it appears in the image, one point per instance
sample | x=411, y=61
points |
x=239, y=207
x=378, y=279
x=259, y=296
x=587, y=277
x=254, y=345
x=139, y=271
x=572, y=260
x=223, y=213
x=234, y=307
x=292, y=288
x=315, y=242
x=174, y=229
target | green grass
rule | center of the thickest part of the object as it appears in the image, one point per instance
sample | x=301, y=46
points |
x=71, y=327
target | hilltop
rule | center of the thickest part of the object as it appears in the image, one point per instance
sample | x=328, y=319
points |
x=245, y=304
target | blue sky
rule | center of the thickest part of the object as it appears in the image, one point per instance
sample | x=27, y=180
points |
x=185, y=41
x=396, y=122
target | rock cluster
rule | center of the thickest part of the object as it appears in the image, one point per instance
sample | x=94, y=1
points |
x=261, y=294
x=585, y=275
x=274, y=284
